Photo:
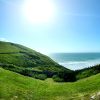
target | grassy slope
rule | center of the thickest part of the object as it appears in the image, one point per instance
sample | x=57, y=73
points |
x=17, y=87
x=16, y=49
x=22, y=56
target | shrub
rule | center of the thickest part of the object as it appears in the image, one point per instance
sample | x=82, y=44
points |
x=67, y=76
x=57, y=78
x=12, y=67
x=26, y=72
x=40, y=76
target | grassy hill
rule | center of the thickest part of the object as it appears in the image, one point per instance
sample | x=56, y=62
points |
x=20, y=59
x=21, y=56
x=87, y=72
x=28, y=62
x=14, y=86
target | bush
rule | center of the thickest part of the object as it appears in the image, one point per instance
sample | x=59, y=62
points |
x=57, y=78
x=27, y=72
x=12, y=67
x=67, y=76
x=87, y=72
x=40, y=76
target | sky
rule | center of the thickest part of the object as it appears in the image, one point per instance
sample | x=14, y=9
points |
x=73, y=27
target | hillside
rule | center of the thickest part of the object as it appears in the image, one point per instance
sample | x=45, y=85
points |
x=19, y=55
x=87, y=72
x=23, y=60
x=17, y=87
x=28, y=62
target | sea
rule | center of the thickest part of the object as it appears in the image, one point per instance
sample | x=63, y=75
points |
x=75, y=61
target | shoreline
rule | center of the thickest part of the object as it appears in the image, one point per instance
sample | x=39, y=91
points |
x=76, y=65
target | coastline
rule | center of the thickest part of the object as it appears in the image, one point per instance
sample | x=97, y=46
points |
x=75, y=65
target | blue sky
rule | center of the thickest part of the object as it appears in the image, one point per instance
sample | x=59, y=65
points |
x=75, y=27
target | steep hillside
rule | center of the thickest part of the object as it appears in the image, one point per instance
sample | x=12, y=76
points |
x=22, y=56
x=17, y=87
x=28, y=62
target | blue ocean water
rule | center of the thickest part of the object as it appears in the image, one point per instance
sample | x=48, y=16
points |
x=76, y=61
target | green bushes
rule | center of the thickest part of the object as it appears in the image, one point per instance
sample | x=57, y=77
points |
x=25, y=71
x=11, y=67
x=71, y=76
x=40, y=76
x=67, y=76
x=87, y=72
x=57, y=78
x=84, y=74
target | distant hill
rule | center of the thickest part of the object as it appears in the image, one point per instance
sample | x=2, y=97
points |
x=14, y=86
x=26, y=61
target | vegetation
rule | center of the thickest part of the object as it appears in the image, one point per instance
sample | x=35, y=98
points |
x=57, y=78
x=28, y=62
x=14, y=86
x=61, y=76
x=86, y=72
x=21, y=56
x=20, y=59
x=40, y=76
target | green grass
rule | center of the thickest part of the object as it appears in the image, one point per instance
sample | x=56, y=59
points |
x=22, y=56
x=14, y=86
x=27, y=61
